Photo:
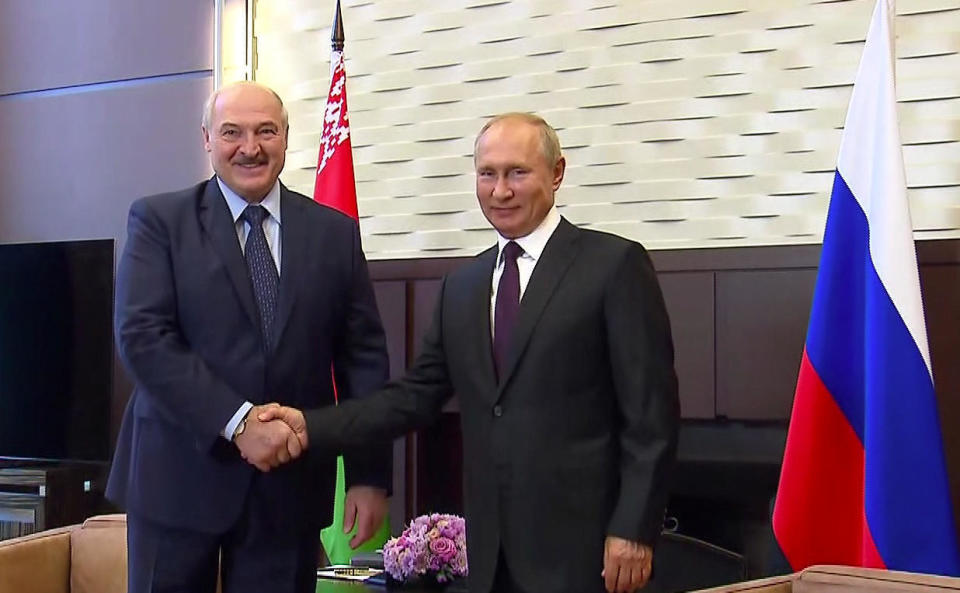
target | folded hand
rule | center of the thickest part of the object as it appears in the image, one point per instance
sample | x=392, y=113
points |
x=367, y=507
x=626, y=564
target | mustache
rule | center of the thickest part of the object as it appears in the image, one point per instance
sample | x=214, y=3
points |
x=249, y=161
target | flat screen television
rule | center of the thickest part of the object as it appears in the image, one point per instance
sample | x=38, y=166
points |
x=56, y=350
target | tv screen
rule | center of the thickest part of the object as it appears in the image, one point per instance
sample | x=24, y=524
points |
x=56, y=350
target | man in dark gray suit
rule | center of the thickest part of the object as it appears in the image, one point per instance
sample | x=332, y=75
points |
x=558, y=345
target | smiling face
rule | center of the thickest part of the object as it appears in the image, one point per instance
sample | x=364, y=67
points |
x=515, y=180
x=247, y=139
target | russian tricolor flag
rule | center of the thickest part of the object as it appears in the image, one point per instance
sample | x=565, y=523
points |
x=863, y=481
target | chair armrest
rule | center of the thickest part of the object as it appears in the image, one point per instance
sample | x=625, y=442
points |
x=38, y=563
x=99, y=555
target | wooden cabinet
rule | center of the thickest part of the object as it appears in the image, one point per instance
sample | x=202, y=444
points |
x=34, y=498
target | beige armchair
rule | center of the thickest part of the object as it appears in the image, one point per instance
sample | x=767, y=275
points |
x=88, y=558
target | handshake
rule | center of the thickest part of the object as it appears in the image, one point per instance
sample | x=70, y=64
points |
x=272, y=435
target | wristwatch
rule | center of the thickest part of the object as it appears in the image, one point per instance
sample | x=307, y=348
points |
x=239, y=429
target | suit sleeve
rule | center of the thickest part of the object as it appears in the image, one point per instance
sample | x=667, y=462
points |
x=410, y=403
x=176, y=381
x=641, y=356
x=361, y=366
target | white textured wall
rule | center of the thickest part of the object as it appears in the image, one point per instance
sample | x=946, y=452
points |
x=686, y=123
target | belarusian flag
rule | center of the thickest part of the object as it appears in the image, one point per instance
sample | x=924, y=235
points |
x=335, y=187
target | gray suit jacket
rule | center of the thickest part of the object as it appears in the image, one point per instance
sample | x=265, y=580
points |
x=577, y=440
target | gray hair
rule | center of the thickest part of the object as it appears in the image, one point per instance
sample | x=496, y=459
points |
x=208, y=105
x=549, y=143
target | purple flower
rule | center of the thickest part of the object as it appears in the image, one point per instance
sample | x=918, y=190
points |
x=443, y=548
x=432, y=544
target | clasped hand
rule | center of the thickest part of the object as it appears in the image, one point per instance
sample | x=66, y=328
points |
x=277, y=434
x=626, y=565
x=274, y=435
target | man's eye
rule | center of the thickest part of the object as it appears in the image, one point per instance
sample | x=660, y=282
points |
x=230, y=133
x=268, y=132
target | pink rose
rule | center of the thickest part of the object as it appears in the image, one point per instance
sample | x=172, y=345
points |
x=443, y=548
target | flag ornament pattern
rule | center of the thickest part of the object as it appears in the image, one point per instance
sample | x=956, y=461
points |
x=335, y=185
x=864, y=479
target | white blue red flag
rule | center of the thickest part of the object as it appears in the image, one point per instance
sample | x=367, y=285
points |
x=864, y=480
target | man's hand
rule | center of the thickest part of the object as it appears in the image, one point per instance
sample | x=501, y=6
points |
x=292, y=417
x=267, y=445
x=367, y=506
x=626, y=565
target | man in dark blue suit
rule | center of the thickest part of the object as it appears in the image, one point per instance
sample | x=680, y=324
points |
x=231, y=294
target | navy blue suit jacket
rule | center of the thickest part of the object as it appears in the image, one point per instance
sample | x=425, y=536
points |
x=187, y=330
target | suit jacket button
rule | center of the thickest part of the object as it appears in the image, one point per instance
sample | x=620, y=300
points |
x=497, y=411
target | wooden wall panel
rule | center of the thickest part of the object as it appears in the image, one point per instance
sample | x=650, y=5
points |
x=689, y=298
x=761, y=328
x=391, y=298
x=941, y=289
x=739, y=322
x=392, y=302
x=425, y=294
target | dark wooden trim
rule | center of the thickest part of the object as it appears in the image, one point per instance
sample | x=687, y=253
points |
x=414, y=269
x=775, y=257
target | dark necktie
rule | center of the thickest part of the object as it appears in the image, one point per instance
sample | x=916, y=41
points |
x=507, y=307
x=263, y=271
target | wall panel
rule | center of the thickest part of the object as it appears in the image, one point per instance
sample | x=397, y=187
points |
x=73, y=163
x=761, y=329
x=685, y=124
x=46, y=45
x=690, y=303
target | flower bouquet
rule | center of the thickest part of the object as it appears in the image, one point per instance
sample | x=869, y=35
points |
x=432, y=548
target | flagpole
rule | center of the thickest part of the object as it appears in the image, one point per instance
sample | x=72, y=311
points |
x=336, y=31
x=335, y=187
x=337, y=39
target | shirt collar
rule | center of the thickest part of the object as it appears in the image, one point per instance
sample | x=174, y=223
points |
x=534, y=243
x=236, y=204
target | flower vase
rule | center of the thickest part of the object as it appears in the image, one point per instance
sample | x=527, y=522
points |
x=425, y=582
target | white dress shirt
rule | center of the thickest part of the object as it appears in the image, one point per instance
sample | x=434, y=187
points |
x=271, y=228
x=271, y=223
x=532, y=245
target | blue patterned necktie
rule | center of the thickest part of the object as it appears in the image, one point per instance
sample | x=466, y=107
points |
x=507, y=307
x=263, y=270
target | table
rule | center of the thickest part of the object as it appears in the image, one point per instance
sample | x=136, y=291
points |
x=336, y=586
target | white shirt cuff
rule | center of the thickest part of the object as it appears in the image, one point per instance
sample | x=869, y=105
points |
x=235, y=421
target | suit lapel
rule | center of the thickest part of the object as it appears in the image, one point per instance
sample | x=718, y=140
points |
x=554, y=262
x=293, y=236
x=478, y=312
x=218, y=224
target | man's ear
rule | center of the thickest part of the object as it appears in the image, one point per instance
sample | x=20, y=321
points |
x=558, y=171
x=206, y=138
